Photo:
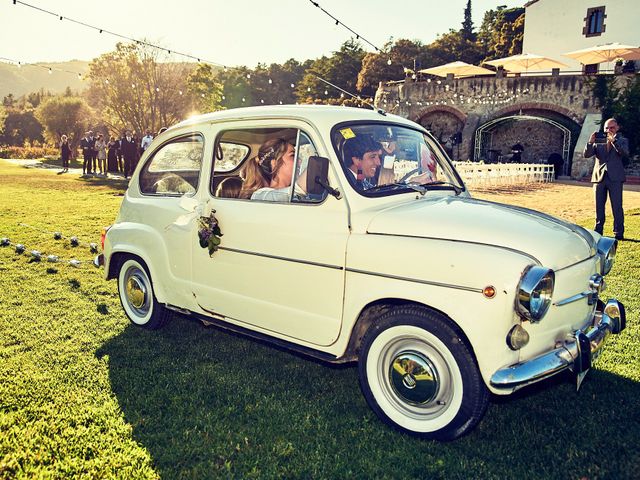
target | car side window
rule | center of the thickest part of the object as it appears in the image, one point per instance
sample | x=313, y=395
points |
x=263, y=165
x=305, y=149
x=174, y=169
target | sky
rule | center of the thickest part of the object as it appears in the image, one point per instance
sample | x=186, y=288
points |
x=226, y=32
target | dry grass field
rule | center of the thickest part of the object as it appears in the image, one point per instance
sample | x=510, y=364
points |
x=568, y=200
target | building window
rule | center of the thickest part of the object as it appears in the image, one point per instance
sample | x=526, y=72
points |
x=594, y=22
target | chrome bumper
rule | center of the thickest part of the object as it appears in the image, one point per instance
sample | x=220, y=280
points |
x=576, y=354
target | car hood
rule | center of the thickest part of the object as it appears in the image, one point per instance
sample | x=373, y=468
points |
x=551, y=241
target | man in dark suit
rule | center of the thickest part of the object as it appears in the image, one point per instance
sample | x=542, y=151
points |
x=87, y=147
x=129, y=148
x=608, y=174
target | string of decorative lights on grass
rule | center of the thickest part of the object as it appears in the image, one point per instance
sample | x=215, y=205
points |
x=37, y=255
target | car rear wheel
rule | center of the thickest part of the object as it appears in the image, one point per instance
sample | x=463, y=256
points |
x=419, y=375
x=136, y=296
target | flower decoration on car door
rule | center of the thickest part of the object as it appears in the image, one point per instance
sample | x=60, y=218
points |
x=209, y=232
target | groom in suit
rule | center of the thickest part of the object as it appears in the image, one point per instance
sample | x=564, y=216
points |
x=608, y=175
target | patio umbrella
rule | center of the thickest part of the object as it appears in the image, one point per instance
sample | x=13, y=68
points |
x=525, y=62
x=605, y=53
x=458, y=69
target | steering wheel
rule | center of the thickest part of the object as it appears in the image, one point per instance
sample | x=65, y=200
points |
x=407, y=175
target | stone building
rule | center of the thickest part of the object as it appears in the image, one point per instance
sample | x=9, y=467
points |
x=550, y=114
x=553, y=28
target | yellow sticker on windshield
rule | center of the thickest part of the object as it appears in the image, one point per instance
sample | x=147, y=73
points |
x=347, y=133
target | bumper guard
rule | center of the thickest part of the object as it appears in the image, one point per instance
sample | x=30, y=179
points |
x=576, y=354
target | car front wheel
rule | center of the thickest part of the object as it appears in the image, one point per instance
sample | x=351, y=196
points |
x=137, y=298
x=419, y=375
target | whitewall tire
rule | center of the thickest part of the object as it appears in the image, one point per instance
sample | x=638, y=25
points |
x=420, y=376
x=136, y=295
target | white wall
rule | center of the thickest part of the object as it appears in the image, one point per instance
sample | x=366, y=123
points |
x=554, y=27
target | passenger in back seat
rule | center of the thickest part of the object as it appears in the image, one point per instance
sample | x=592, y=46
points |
x=229, y=188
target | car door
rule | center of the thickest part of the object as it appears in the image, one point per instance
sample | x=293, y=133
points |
x=169, y=179
x=280, y=266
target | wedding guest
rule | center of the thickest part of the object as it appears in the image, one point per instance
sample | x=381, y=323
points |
x=87, y=147
x=65, y=153
x=146, y=141
x=93, y=152
x=129, y=148
x=101, y=154
x=112, y=155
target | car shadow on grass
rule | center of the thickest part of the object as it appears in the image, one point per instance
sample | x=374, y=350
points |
x=206, y=403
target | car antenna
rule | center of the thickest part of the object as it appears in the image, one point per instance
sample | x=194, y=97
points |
x=357, y=97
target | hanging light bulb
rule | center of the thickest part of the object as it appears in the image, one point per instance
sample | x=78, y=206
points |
x=326, y=92
x=79, y=76
x=262, y=100
x=270, y=81
x=179, y=92
x=243, y=100
x=248, y=75
x=293, y=85
x=50, y=71
x=157, y=89
x=223, y=97
x=225, y=69
x=389, y=61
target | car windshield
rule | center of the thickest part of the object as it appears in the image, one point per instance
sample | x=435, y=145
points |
x=384, y=159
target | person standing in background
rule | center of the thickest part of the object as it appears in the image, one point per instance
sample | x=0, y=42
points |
x=112, y=155
x=146, y=141
x=608, y=174
x=86, y=146
x=101, y=153
x=129, y=148
x=65, y=153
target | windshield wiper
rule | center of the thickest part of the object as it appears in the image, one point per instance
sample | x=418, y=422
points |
x=441, y=184
x=393, y=186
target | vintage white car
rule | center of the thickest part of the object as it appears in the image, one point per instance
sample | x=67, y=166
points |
x=349, y=236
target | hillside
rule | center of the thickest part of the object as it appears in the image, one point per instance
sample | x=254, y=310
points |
x=30, y=78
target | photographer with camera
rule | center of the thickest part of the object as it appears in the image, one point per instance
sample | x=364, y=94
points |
x=608, y=175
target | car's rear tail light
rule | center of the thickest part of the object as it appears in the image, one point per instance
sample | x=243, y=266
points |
x=103, y=235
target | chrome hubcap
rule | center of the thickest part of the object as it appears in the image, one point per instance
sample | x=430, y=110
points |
x=414, y=378
x=136, y=291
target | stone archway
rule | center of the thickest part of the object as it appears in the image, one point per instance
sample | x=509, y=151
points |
x=541, y=137
x=445, y=123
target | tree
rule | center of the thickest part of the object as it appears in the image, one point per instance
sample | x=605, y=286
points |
x=21, y=127
x=65, y=115
x=341, y=69
x=627, y=112
x=3, y=117
x=501, y=32
x=453, y=46
x=467, y=24
x=205, y=89
x=390, y=64
x=131, y=88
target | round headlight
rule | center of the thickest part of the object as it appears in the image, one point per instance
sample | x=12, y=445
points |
x=534, y=293
x=607, y=249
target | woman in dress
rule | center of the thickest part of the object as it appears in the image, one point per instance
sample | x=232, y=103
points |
x=267, y=176
x=101, y=148
x=112, y=155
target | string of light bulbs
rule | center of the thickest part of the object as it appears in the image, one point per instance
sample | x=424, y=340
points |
x=51, y=69
x=338, y=22
x=119, y=35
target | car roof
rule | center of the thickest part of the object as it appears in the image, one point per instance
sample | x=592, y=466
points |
x=317, y=114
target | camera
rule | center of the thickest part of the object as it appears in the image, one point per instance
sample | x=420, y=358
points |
x=601, y=137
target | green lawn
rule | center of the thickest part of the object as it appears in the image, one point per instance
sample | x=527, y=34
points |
x=85, y=394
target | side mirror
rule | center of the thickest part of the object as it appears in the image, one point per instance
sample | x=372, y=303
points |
x=317, y=177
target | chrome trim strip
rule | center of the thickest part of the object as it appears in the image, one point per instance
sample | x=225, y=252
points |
x=574, y=298
x=513, y=250
x=276, y=257
x=415, y=280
